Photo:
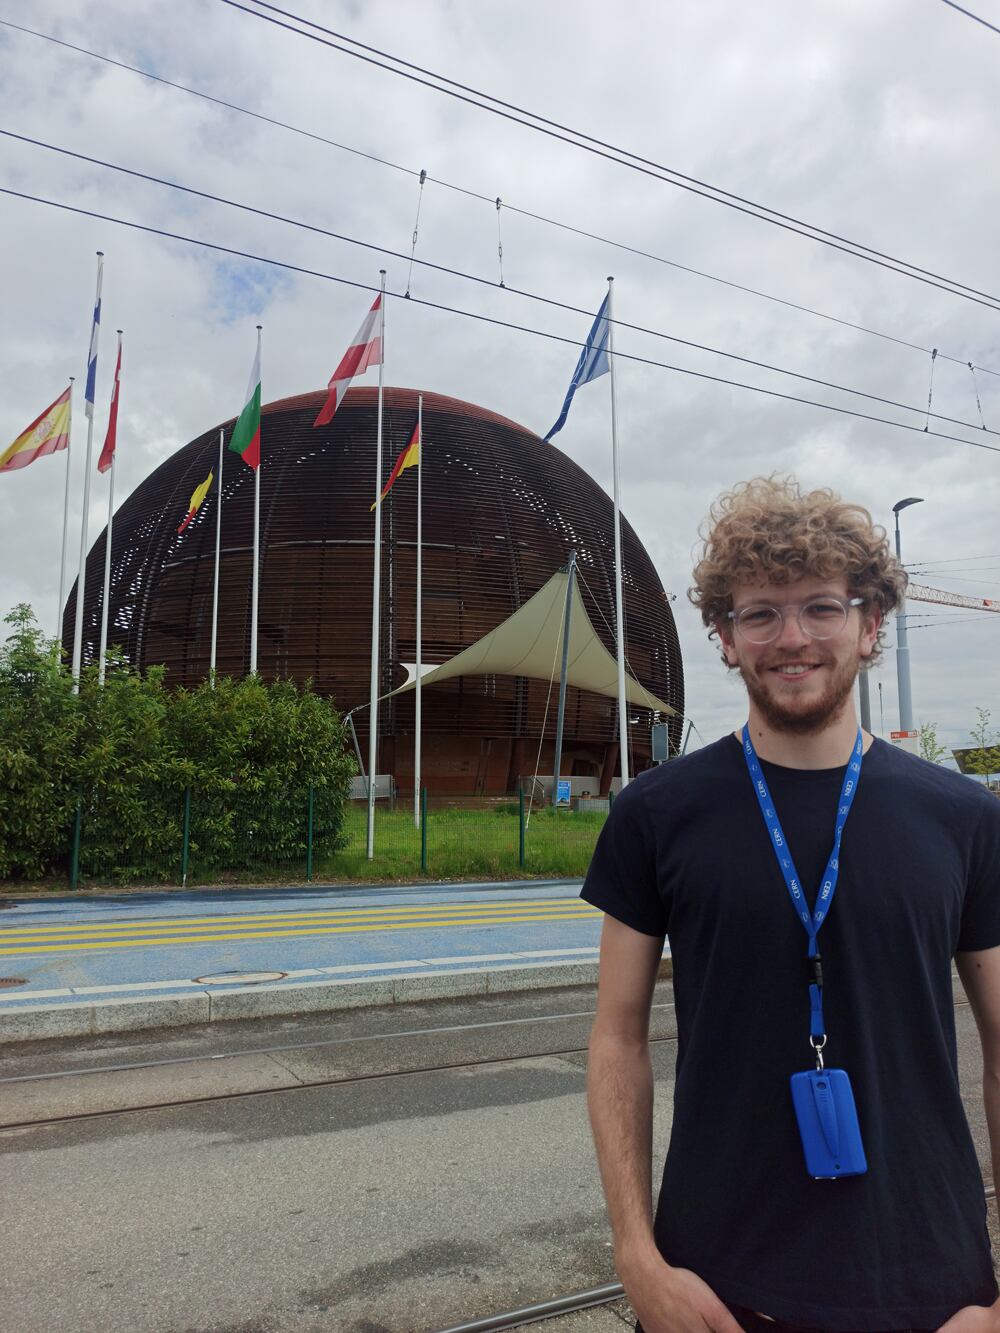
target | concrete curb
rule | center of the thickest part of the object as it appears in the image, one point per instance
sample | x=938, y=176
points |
x=96, y=1017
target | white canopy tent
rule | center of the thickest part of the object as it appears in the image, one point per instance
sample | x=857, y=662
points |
x=528, y=643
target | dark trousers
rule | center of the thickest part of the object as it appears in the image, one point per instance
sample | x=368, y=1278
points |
x=754, y=1323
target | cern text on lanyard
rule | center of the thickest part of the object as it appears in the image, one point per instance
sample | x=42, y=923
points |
x=828, y=885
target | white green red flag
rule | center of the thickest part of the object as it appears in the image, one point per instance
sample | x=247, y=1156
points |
x=364, y=351
x=111, y=439
x=246, y=433
x=47, y=434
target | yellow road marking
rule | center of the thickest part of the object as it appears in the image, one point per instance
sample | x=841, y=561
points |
x=172, y=939
x=430, y=910
x=180, y=926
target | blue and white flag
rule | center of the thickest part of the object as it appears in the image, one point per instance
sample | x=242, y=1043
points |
x=593, y=362
x=95, y=332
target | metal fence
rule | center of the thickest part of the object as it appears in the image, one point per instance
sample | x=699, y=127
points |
x=307, y=835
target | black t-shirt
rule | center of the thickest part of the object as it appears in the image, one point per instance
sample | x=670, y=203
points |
x=686, y=853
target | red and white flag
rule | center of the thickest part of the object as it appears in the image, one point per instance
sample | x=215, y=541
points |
x=364, y=351
x=111, y=439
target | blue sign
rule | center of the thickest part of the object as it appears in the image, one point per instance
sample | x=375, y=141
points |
x=563, y=787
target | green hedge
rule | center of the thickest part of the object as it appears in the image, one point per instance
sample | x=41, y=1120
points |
x=248, y=751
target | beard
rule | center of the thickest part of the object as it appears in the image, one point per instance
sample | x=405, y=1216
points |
x=803, y=717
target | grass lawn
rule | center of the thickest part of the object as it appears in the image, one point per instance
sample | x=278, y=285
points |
x=462, y=841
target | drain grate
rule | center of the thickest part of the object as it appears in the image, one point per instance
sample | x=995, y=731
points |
x=11, y=981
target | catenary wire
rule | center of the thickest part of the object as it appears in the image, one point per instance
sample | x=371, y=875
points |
x=486, y=282
x=969, y=15
x=622, y=157
x=948, y=560
x=489, y=199
x=490, y=319
x=939, y=624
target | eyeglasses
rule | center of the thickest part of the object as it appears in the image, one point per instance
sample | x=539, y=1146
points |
x=819, y=618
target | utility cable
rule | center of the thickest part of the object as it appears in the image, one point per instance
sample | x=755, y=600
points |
x=492, y=320
x=949, y=560
x=975, y=390
x=476, y=278
x=488, y=199
x=600, y=148
x=416, y=231
x=969, y=15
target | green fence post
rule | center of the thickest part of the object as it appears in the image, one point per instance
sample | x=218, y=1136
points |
x=423, y=829
x=187, y=837
x=74, y=863
x=309, y=835
x=520, y=820
x=611, y=800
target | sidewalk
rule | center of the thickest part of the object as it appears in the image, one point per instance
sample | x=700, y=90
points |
x=85, y=964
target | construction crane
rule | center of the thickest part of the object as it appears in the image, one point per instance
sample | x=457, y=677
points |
x=919, y=592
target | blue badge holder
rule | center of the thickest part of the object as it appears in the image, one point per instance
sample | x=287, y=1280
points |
x=828, y=1124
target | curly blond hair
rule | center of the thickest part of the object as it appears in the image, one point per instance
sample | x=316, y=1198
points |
x=768, y=531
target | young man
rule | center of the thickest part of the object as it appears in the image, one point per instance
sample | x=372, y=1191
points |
x=884, y=1226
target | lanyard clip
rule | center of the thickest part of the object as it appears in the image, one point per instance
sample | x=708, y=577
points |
x=818, y=1049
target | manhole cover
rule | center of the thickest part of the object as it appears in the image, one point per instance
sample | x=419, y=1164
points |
x=11, y=981
x=241, y=978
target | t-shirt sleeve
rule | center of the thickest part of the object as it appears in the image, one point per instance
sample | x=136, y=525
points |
x=981, y=909
x=622, y=878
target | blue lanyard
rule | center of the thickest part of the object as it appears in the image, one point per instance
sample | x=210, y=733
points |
x=828, y=886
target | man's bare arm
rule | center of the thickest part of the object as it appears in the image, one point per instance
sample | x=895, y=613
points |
x=620, y=1101
x=980, y=973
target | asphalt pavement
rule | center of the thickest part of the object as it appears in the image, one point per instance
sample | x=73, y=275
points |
x=402, y=1170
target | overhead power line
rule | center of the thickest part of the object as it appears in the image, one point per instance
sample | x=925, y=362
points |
x=969, y=15
x=491, y=320
x=948, y=560
x=599, y=147
x=486, y=282
x=490, y=200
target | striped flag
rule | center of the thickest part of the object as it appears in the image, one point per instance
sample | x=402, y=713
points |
x=111, y=439
x=47, y=434
x=593, y=362
x=364, y=351
x=196, y=500
x=246, y=433
x=95, y=333
x=409, y=457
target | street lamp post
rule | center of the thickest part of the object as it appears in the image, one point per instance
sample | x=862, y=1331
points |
x=902, y=648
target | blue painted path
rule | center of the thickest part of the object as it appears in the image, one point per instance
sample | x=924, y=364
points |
x=75, y=948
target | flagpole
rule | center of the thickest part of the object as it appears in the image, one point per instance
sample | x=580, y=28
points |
x=376, y=579
x=256, y=547
x=107, y=552
x=62, y=559
x=619, y=615
x=420, y=537
x=88, y=407
x=215, y=585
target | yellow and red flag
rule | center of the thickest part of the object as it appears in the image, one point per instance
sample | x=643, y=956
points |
x=47, y=434
x=196, y=500
x=410, y=457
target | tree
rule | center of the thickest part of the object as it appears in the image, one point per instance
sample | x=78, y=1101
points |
x=248, y=754
x=985, y=757
x=930, y=748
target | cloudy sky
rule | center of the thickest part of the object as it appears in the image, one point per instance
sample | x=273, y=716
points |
x=873, y=121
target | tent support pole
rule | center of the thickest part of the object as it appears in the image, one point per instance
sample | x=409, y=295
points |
x=561, y=718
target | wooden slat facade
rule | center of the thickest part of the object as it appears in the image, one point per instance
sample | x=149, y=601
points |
x=501, y=511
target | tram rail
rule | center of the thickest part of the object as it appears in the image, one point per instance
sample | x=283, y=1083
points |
x=300, y=1083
